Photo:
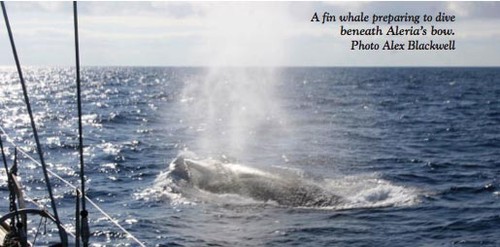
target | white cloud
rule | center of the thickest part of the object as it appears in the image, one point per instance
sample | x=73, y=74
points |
x=230, y=33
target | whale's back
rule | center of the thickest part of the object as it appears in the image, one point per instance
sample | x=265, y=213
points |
x=224, y=178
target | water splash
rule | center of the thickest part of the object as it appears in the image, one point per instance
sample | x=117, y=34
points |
x=192, y=181
x=232, y=110
x=234, y=104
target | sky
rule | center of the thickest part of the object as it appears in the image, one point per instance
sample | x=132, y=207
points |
x=239, y=34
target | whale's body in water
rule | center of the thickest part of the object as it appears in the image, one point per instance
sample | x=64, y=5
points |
x=227, y=178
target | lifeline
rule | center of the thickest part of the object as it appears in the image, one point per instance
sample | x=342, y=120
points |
x=430, y=46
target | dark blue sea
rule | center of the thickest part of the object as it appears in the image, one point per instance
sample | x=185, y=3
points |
x=266, y=157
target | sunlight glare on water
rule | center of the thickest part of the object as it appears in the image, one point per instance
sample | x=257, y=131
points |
x=412, y=156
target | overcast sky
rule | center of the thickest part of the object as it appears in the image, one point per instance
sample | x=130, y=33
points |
x=236, y=34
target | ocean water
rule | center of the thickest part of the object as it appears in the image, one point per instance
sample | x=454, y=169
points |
x=410, y=156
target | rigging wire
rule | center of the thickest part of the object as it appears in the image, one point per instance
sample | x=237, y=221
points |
x=79, y=102
x=83, y=226
x=4, y=159
x=12, y=195
x=38, y=230
x=25, y=195
x=69, y=184
x=30, y=113
x=42, y=207
x=42, y=163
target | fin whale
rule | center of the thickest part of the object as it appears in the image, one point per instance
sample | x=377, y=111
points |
x=226, y=178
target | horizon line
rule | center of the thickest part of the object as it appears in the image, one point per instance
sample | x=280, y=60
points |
x=259, y=66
